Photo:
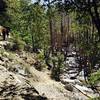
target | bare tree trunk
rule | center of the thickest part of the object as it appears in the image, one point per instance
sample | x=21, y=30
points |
x=62, y=29
x=50, y=25
x=95, y=16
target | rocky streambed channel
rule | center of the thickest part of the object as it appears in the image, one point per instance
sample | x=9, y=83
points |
x=75, y=82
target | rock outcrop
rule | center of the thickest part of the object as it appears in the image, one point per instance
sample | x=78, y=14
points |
x=19, y=80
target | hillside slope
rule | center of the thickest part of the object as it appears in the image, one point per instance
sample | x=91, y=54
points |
x=19, y=79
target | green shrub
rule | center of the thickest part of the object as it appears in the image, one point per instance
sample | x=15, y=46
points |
x=58, y=66
x=95, y=78
x=2, y=51
x=40, y=64
x=18, y=44
x=97, y=98
x=28, y=47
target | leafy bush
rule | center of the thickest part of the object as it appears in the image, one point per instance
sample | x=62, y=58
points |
x=18, y=44
x=2, y=51
x=58, y=66
x=28, y=47
x=40, y=64
x=97, y=98
x=95, y=78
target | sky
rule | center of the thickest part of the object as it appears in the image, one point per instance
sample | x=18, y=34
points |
x=33, y=0
x=36, y=0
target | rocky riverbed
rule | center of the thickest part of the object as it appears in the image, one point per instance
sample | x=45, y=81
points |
x=74, y=80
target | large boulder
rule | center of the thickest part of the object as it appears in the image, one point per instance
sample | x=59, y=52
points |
x=16, y=86
x=69, y=87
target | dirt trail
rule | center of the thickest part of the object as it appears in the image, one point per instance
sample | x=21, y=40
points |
x=50, y=88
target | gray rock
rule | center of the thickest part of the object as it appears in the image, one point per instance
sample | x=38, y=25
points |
x=69, y=87
x=17, y=98
x=83, y=88
x=12, y=85
x=5, y=59
x=6, y=54
x=67, y=80
x=2, y=63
